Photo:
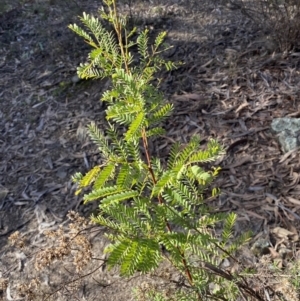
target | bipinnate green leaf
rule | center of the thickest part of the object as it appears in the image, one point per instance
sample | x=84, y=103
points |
x=228, y=227
x=202, y=176
x=101, y=193
x=118, y=197
x=100, y=140
x=135, y=254
x=135, y=127
x=165, y=180
x=104, y=175
x=142, y=42
x=155, y=132
x=79, y=31
x=160, y=39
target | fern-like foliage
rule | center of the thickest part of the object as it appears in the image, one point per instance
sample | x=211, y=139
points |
x=148, y=205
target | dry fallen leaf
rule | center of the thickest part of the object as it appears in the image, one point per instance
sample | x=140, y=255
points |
x=293, y=200
x=282, y=233
x=273, y=253
x=189, y=96
x=3, y=192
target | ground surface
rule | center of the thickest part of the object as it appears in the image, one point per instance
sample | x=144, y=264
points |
x=230, y=88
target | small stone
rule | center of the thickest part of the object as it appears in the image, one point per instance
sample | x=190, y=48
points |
x=287, y=131
x=76, y=79
x=21, y=180
x=3, y=192
x=261, y=247
x=61, y=174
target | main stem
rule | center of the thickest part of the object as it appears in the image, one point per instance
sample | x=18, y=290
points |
x=161, y=201
x=118, y=29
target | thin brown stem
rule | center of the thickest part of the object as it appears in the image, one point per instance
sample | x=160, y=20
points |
x=229, y=277
x=118, y=29
x=160, y=200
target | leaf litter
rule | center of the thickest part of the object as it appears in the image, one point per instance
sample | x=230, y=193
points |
x=230, y=87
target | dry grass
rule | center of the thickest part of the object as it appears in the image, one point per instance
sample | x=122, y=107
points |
x=66, y=244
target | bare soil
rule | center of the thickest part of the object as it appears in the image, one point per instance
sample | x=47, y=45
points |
x=230, y=87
